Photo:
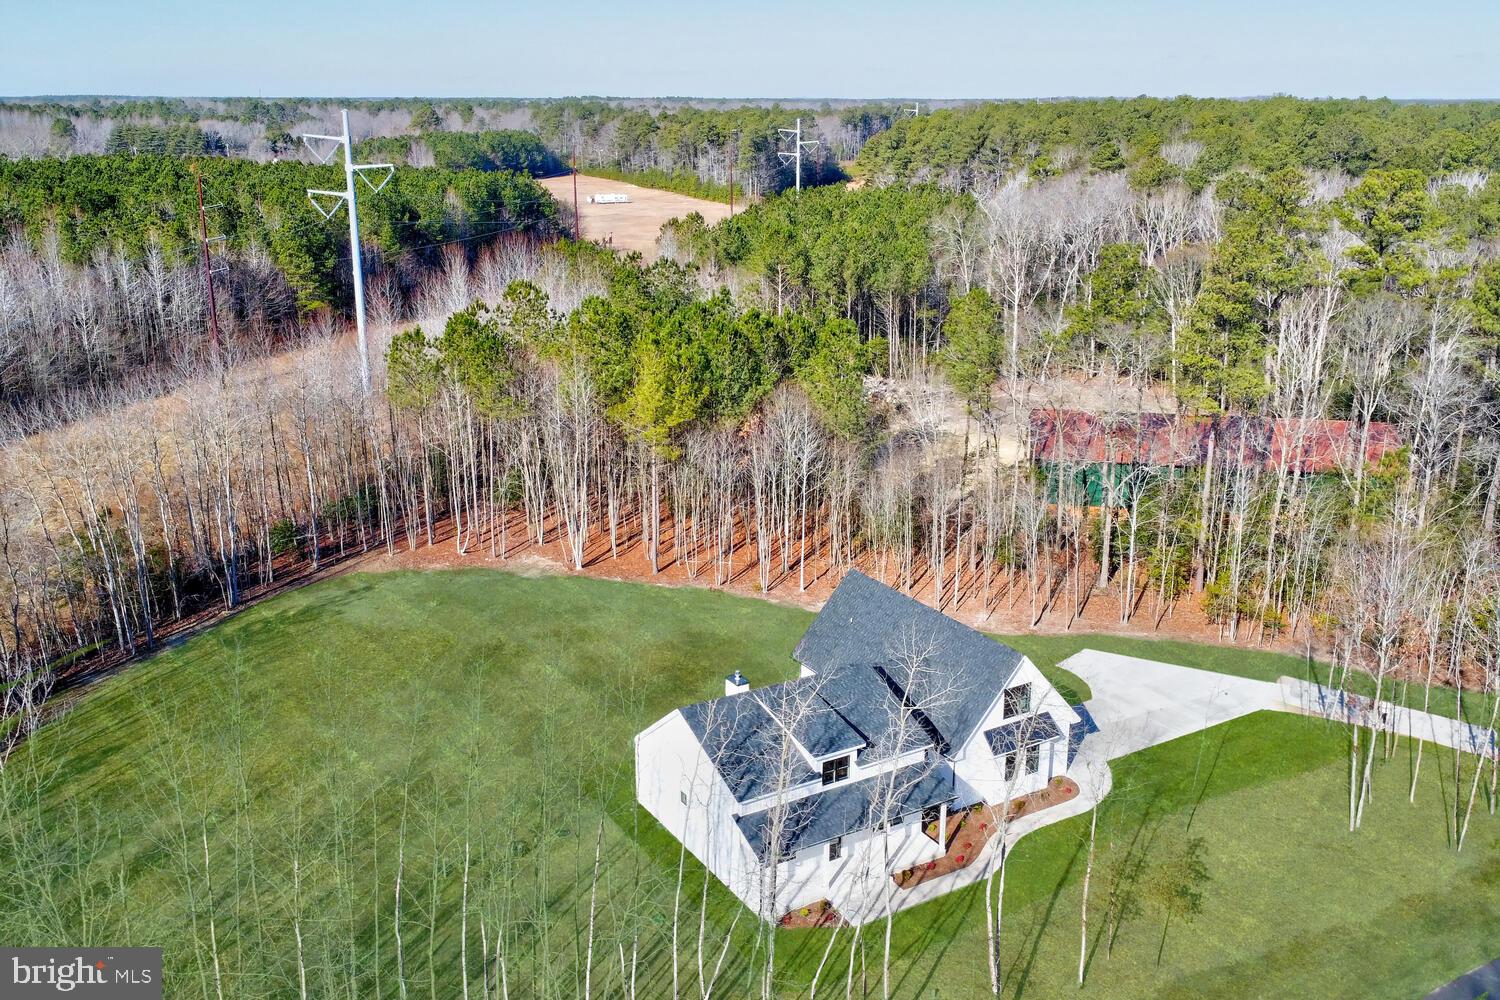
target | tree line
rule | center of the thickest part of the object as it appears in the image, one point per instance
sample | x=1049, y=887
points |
x=504, y=149
x=646, y=413
x=686, y=142
x=1188, y=138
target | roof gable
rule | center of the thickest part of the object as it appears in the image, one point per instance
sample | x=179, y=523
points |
x=801, y=708
x=865, y=622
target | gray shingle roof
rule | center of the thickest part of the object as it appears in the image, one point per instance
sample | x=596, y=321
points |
x=743, y=741
x=865, y=622
x=864, y=697
x=841, y=710
x=800, y=706
x=845, y=809
x=854, y=700
x=1025, y=732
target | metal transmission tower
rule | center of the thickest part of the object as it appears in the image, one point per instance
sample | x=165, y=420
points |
x=210, y=268
x=915, y=110
x=351, y=170
x=796, y=155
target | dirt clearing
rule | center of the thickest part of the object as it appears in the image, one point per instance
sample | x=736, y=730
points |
x=636, y=224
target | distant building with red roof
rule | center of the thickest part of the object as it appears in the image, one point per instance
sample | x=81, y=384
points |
x=1165, y=440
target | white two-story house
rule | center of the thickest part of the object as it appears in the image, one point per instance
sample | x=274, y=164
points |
x=817, y=793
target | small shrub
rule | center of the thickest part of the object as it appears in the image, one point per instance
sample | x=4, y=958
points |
x=284, y=537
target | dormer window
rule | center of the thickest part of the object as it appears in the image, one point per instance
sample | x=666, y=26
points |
x=836, y=769
x=1017, y=700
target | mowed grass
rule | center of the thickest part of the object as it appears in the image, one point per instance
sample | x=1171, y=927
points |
x=322, y=741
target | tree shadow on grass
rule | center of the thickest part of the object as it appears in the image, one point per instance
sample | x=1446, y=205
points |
x=1124, y=877
x=1034, y=930
x=1208, y=778
x=952, y=911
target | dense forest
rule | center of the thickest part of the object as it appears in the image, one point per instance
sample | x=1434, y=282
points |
x=101, y=271
x=1194, y=139
x=508, y=149
x=852, y=375
x=1153, y=140
x=1227, y=369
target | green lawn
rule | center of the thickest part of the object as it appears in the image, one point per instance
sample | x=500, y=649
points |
x=316, y=739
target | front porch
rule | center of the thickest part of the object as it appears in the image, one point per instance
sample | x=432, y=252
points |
x=966, y=831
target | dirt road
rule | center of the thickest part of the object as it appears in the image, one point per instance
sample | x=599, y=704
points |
x=632, y=226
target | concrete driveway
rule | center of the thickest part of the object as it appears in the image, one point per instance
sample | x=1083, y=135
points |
x=1137, y=704
x=1482, y=982
x=1140, y=703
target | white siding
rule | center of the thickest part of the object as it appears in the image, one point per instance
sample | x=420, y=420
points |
x=679, y=785
x=985, y=772
x=670, y=765
x=856, y=882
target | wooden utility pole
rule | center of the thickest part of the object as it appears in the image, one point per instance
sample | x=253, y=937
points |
x=733, y=155
x=577, y=222
x=208, y=269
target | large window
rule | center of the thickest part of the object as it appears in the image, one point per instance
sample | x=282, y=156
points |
x=1010, y=766
x=1033, y=758
x=835, y=848
x=1017, y=700
x=836, y=769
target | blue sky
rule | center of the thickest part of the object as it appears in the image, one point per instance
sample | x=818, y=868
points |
x=770, y=48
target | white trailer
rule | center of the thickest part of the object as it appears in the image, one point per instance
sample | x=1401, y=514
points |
x=609, y=199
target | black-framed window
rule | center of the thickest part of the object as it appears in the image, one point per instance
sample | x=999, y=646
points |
x=835, y=848
x=1017, y=700
x=1010, y=765
x=1033, y=758
x=836, y=769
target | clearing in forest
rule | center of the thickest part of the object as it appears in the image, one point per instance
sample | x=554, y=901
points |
x=635, y=224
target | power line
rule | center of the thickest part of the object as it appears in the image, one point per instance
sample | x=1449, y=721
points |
x=796, y=155
x=348, y=197
x=503, y=228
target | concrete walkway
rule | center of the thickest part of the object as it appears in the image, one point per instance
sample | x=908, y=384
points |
x=1140, y=703
x=1328, y=703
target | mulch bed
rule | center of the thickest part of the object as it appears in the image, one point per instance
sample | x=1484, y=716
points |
x=978, y=824
x=819, y=914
